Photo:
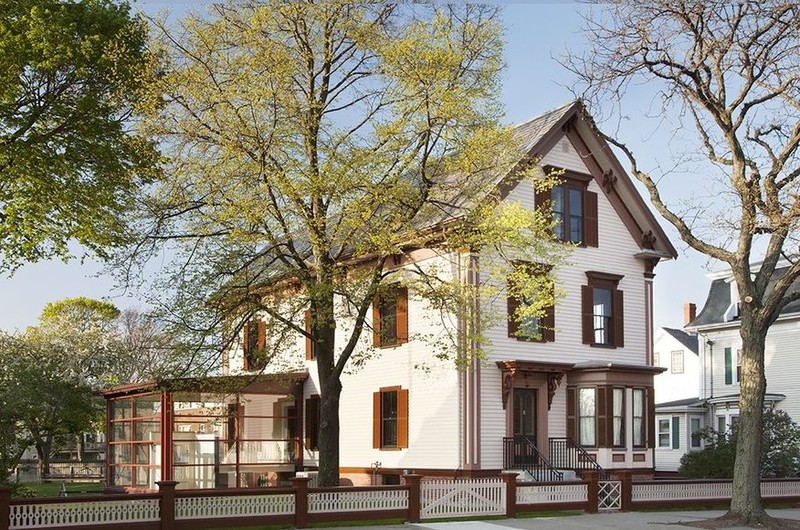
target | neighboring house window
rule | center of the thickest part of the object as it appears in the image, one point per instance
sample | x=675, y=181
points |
x=574, y=208
x=390, y=418
x=312, y=423
x=390, y=317
x=655, y=359
x=255, y=339
x=587, y=423
x=664, y=438
x=729, y=372
x=618, y=417
x=696, y=430
x=538, y=329
x=602, y=310
x=311, y=354
x=677, y=362
x=639, y=423
x=676, y=432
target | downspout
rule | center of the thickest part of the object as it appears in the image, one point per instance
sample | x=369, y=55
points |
x=710, y=345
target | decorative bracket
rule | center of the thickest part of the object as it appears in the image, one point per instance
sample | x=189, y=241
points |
x=609, y=181
x=553, y=382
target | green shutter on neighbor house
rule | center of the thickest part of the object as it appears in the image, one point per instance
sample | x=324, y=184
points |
x=676, y=432
x=728, y=367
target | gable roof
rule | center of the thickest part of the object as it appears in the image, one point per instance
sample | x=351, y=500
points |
x=540, y=134
x=688, y=340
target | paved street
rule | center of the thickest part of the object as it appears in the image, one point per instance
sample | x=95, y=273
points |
x=617, y=520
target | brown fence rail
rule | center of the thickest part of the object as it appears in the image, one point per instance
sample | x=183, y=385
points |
x=300, y=505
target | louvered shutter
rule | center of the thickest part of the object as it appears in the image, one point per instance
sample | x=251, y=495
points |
x=587, y=314
x=402, y=418
x=376, y=420
x=590, y=230
x=402, y=315
x=618, y=319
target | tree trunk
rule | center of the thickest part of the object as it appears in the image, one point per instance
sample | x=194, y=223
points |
x=746, y=505
x=323, y=331
x=43, y=448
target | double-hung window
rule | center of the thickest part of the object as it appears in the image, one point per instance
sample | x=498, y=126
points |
x=638, y=424
x=587, y=420
x=390, y=418
x=618, y=417
x=526, y=283
x=574, y=208
x=602, y=310
x=255, y=338
x=390, y=317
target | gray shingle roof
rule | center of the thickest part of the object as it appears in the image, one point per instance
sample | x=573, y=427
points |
x=532, y=131
x=719, y=299
x=690, y=341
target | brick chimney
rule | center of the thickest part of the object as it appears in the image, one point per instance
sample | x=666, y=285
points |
x=689, y=313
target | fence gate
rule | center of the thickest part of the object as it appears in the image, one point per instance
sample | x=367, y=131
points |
x=609, y=495
x=462, y=498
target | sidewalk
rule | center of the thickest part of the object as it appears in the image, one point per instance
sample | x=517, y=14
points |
x=617, y=520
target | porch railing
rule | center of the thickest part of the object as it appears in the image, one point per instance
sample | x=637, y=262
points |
x=520, y=452
x=566, y=453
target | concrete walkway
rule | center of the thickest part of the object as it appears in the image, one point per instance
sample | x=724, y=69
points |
x=616, y=520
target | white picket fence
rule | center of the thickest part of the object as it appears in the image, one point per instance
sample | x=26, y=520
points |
x=462, y=498
x=213, y=507
x=532, y=493
x=48, y=515
x=355, y=501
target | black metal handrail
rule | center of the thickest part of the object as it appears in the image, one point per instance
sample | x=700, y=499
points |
x=520, y=452
x=566, y=453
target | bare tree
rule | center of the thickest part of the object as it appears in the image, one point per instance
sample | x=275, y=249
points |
x=732, y=71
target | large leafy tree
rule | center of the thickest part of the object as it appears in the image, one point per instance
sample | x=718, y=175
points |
x=313, y=147
x=70, y=76
x=727, y=77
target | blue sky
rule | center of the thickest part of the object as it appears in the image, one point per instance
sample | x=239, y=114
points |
x=533, y=83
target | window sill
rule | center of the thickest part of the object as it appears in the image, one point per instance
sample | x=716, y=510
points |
x=390, y=448
x=387, y=346
x=604, y=346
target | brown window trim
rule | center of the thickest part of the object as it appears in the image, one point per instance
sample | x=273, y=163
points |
x=589, y=214
x=603, y=280
x=401, y=316
x=402, y=419
x=252, y=362
x=547, y=322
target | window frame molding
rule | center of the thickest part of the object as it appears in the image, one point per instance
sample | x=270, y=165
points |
x=616, y=328
x=401, y=420
x=401, y=318
x=570, y=179
x=546, y=323
x=249, y=357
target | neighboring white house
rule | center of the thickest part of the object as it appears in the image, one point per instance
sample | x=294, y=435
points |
x=590, y=380
x=680, y=415
x=717, y=328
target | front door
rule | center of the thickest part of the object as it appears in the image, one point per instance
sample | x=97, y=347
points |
x=525, y=412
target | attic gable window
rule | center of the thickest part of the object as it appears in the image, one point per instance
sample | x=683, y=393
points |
x=255, y=341
x=390, y=317
x=574, y=208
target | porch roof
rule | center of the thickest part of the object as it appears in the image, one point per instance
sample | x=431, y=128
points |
x=279, y=383
x=733, y=399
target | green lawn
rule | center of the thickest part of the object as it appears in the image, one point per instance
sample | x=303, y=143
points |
x=52, y=489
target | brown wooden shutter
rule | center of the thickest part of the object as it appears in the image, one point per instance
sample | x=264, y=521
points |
x=513, y=323
x=601, y=422
x=376, y=321
x=590, y=231
x=312, y=423
x=376, y=420
x=650, y=435
x=402, y=315
x=262, y=335
x=402, y=418
x=571, y=413
x=549, y=324
x=618, y=314
x=542, y=197
x=309, y=341
x=587, y=314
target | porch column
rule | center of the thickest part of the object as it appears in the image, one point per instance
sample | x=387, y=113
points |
x=648, y=315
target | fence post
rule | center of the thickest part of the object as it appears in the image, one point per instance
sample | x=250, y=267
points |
x=412, y=482
x=626, y=489
x=300, y=501
x=5, y=508
x=592, y=489
x=510, y=480
x=166, y=488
